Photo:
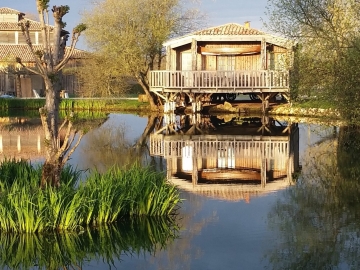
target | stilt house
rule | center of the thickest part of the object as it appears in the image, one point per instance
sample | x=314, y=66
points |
x=226, y=60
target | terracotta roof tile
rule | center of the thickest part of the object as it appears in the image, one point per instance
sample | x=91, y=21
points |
x=14, y=26
x=6, y=10
x=23, y=51
x=229, y=29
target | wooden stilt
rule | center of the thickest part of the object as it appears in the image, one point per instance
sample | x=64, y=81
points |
x=195, y=173
x=263, y=173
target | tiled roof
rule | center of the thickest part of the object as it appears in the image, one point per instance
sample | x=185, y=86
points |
x=6, y=10
x=23, y=51
x=229, y=29
x=14, y=26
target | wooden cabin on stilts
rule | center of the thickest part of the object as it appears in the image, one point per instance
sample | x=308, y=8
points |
x=223, y=61
x=247, y=154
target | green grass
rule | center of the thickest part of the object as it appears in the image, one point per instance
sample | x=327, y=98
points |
x=107, y=105
x=314, y=103
x=100, y=199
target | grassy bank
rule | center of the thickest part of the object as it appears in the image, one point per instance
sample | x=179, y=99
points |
x=108, y=105
x=101, y=199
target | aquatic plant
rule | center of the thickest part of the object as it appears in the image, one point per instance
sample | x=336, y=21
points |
x=100, y=199
x=69, y=250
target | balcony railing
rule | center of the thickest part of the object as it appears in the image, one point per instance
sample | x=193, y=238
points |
x=249, y=79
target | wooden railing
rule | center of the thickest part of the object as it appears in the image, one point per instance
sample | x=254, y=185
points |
x=210, y=148
x=245, y=79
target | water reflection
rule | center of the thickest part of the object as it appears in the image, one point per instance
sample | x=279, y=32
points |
x=250, y=155
x=108, y=245
x=21, y=138
x=315, y=222
x=318, y=220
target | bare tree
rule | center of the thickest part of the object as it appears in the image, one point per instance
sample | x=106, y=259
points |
x=49, y=64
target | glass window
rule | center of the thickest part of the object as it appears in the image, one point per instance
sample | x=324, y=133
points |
x=226, y=62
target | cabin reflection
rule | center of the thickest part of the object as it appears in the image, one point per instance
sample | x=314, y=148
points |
x=255, y=151
x=21, y=139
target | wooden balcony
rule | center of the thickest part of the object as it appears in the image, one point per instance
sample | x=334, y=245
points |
x=245, y=81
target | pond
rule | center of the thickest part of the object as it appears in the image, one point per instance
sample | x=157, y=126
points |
x=258, y=193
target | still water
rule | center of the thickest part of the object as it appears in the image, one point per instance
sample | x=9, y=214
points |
x=259, y=193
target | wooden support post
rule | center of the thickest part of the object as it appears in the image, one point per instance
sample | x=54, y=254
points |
x=263, y=173
x=194, y=54
x=195, y=173
x=169, y=169
x=168, y=58
x=263, y=54
x=265, y=102
x=195, y=104
x=19, y=144
x=290, y=168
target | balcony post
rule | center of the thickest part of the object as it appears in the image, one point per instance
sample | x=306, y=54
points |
x=194, y=54
x=168, y=58
x=263, y=54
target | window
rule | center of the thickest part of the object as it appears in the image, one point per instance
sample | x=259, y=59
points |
x=226, y=62
x=22, y=39
x=7, y=37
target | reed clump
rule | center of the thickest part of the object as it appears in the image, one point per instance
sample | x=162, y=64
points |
x=76, y=204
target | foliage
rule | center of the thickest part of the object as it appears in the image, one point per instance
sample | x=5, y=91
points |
x=128, y=43
x=101, y=199
x=106, y=243
x=317, y=220
x=98, y=80
x=328, y=48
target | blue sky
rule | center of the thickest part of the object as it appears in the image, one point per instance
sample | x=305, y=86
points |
x=218, y=11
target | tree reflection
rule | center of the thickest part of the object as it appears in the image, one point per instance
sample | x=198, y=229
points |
x=76, y=250
x=318, y=220
x=109, y=145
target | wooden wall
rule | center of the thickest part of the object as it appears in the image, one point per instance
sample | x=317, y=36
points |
x=277, y=58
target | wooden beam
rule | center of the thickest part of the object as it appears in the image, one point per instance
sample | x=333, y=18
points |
x=226, y=50
x=168, y=58
x=194, y=54
x=263, y=54
x=281, y=42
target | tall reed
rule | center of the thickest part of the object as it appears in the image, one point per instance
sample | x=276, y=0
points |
x=100, y=199
x=68, y=250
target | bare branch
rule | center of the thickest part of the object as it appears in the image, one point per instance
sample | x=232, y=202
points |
x=66, y=158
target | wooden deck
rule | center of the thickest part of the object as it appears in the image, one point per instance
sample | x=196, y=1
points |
x=245, y=81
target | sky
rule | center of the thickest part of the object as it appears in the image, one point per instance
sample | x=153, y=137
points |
x=218, y=11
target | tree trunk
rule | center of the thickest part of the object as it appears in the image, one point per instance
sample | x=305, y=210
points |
x=49, y=115
x=51, y=172
x=150, y=96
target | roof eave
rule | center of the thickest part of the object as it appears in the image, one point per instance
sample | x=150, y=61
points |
x=174, y=43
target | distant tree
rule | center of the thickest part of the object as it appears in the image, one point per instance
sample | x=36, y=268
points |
x=100, y=78
x=128, y=35
x=327, y=32
x=49, y=64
